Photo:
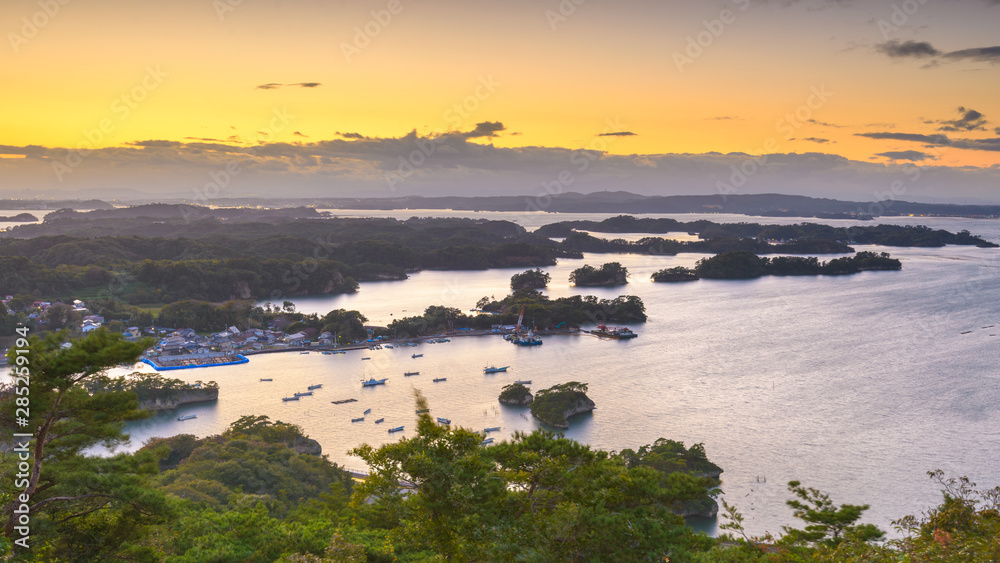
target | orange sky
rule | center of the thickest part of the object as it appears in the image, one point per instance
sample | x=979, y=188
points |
x=190, y=69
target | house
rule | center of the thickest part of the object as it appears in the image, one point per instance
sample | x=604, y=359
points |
x=187, y=333
x=89, y=326
x=94, y=318
x=296, y=338
x=132, y=331
x=233, y=330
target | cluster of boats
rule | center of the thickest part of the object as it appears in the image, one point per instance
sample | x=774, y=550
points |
x=617, y=332
x=308, y=392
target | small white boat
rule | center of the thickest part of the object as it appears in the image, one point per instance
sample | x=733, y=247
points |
x=303, y=393
x=494, y=369
x=187, y=417
x=290, y=398
x=486, y=441
x=372, y=382
x=311, y=387
x=444, y=420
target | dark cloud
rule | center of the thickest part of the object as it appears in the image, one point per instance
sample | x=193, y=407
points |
x=274, y=85
x=991, y=144
x=202, y=139
x=914, y=156
x=350, y=135
x=484, y=129
x=915, y=137
x=300, y=134
x=970, y=120
x=923, y=50
x=900, y=49
x=727, y=117
x=824, y=124
x=817, y=140
x=617, y=134
x=988, y=54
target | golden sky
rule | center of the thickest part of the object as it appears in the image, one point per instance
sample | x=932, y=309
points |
x=861, y=80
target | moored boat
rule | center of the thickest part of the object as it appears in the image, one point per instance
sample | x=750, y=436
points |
x=396, y=429
x=437, y=379
x=295, y=398
x=444, y=420
x=303, y=393
x=494, y=369
x=359, y=419
x=620, y=333
x=418, y=355
x=409, y=373
x=266, y=379
x=492, y=429
x=486, y=441
x=367, y=411
x=187, y=417
x=372, y=382
x=523, y=381
x=317, y=386
x=380, y=421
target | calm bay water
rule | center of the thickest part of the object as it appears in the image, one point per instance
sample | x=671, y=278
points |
x=856, y=385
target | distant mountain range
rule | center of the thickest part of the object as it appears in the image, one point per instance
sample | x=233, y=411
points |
x=770, y=205
x=766, y=205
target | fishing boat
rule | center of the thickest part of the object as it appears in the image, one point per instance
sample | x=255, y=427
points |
x=367, y=411
x=380, y=421
x=494, y=369
x=486, y=441
x=491, y=429
x=303, y=393
x=444, y=420
x=295, y=398
x=342, y=401
x=366, y=358
x=266, y=379
x=409, y=373
x=619, y=333
x=437, y=379
x=303, y=352
x=523, y=381
x=372, y=382
x=396, y=429
x=317, y=386
x=187, y=417
x=359, y=419
x=418, y=355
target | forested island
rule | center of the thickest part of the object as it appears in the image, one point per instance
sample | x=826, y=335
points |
x=19, y=218
x=610, y=274
x=741, y=264
x=555, y=405
x=262, y=491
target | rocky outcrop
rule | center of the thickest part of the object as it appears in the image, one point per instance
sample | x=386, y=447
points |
x=582, y=405
x=307, y=446
x=516, y=395
x=176, y=400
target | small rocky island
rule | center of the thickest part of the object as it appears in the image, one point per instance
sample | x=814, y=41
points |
x=555, y=405
x=610, y=274
x=516, y=395
x=675, y=274
x=157, y=393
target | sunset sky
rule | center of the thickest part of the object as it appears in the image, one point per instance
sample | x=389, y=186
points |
x=400, y=97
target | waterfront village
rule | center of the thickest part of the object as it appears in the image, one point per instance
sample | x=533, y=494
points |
x=185, y=348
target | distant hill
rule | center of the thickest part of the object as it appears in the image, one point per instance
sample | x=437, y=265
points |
x=768, y=205
x=54, y=204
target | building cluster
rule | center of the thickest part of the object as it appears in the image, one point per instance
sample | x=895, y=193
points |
x=187, y=342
